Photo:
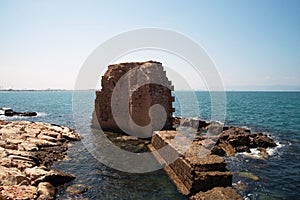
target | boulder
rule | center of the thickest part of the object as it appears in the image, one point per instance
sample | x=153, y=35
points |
x=55, y=178
x=235, y=139
x=77, y=189
x=23, y=114
x=46, y=191
x=42, y=174
x=264, y=141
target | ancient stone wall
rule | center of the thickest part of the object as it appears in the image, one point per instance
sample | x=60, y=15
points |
x=142, y=96
x=191, y=172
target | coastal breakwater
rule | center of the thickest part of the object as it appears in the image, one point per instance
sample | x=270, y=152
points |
x=200, y=171
x=27, y=149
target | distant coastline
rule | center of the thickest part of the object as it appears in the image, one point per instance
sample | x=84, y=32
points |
x=92, y=90
x=41, y=90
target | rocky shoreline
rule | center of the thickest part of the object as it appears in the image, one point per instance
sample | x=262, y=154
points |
x=200, y=171
x=27, y=150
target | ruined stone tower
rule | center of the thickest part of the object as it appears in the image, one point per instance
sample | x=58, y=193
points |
x=144, y=84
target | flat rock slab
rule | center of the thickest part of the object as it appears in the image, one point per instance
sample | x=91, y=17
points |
x=218, y=193
x=27, y=149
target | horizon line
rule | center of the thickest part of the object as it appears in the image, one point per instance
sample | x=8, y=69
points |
x=180, y=90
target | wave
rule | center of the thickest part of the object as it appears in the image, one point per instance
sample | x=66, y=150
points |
x=256, y=153
x=41, y=114
x=273, y=151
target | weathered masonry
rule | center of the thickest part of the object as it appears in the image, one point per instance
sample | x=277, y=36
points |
x=195, y=169
x=127, y=79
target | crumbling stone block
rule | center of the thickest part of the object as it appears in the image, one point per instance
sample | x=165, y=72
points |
x=142, y=96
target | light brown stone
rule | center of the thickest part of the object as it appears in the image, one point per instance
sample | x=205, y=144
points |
x=17, y=192
x=195, y=169
x=46, y=191
x=25, y=149
x=12, y=176
x=141, y=100
x=218, y=193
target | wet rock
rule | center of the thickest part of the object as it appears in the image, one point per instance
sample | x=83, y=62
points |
x=23, y=114
x=264, y=141
x=263, y=153
x=236, y=139
x=218, y=193
x=77, y=189
x=249, y=175
x=55, y=178
x=242, y=149
x=241, y=186
x=42, y=174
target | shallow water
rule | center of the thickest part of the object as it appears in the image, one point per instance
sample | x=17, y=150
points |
x=276, y=113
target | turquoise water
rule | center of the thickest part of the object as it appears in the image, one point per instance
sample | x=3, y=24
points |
x=276, y=113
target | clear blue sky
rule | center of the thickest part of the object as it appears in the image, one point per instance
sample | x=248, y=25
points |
x=254, y=44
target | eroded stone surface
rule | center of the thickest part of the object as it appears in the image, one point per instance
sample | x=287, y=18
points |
x=26, y=150
x=199, y=145
x=143, y=96
x=195, y=169
x=236, y=139
x=218, y=193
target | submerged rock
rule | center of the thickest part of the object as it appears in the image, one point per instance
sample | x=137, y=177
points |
x=77, y=189
x=9, y=112
x=249, y=175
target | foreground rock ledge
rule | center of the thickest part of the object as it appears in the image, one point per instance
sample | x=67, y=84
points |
x=27, y=149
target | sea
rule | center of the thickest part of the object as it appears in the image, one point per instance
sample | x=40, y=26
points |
x=273, y=113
